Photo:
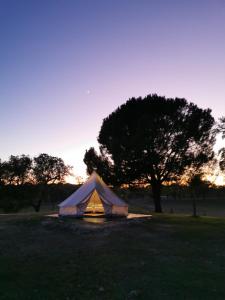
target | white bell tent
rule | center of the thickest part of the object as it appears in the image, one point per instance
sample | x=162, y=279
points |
x=93, y=197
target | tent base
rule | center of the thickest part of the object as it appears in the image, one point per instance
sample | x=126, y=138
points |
x=92, y=215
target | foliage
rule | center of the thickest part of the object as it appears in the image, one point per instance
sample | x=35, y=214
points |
x=13, y=198
x=50, y=169
x=157, y=139
x=221, y=129
x=26, y=182
x=222, y=159
x=197, y=182
x=50, y=193
x=99, y=163
x=17, y=169
x=1, y=173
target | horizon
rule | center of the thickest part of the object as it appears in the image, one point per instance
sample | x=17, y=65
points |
x=67, y=65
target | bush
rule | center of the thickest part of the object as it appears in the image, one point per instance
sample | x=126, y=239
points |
x=12, y=198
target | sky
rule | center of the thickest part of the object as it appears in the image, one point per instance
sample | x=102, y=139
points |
x=65, y=65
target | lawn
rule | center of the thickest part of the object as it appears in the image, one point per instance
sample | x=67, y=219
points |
x=167, y=257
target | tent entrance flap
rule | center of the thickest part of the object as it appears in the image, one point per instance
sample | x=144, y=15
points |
x=95, y=204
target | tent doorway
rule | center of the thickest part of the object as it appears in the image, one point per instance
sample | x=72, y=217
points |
x=95, y=205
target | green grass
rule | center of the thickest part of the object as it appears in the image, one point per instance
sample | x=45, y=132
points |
x=167, y=257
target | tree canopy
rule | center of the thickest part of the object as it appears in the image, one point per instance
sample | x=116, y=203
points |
x=16, y=170
x=50, y=169
x=99, y=163
x=25, y=181
x=221, y=129
x=156, y=139
x=21, y=169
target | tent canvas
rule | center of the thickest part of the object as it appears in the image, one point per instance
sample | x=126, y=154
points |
x=93, y=196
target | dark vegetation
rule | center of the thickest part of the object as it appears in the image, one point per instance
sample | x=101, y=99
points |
x=26, y=182
x=209, y=200
x=15, y=198
x=153, y=140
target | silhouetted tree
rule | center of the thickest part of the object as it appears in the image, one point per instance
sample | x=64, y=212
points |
x=50, y=169
x=1, y=173
x=198, y=187
x=221, y=129
x=156, y=139
x=6, y=173
x=16, y=170
x=99, y=163
x=222, y=159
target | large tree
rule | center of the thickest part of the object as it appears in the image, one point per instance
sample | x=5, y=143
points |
x=157, y=139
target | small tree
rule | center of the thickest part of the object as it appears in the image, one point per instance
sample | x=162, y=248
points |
x=157, y=139
x=198, y=187
x=48, y=169
x=99, y=163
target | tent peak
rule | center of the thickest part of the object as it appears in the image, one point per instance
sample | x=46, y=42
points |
x=94, y=174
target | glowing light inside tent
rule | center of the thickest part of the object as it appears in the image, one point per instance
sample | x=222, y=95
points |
x=95, y=204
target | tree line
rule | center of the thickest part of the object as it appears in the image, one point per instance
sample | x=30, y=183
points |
x=43, y=169
x=26, y=181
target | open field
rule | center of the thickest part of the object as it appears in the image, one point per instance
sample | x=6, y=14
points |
x=167, y=257
x=212, y=204
x=205, y=207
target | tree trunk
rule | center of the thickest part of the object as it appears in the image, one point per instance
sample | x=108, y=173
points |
x=194, y=205
x=37, y=205
x=156, y=193
x=37, y=201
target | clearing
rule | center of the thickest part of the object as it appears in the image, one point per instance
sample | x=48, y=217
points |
x=166, y=257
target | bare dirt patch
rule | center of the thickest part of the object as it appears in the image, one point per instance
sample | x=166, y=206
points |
x=90, y=225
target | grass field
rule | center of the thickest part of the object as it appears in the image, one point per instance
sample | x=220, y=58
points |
x=167, y=257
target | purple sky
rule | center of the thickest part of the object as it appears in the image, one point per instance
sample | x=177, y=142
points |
x=65, y=65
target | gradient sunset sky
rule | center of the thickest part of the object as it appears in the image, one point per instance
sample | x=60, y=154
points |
x=65, y=65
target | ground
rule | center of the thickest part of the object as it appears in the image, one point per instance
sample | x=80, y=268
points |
x=166, y=257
